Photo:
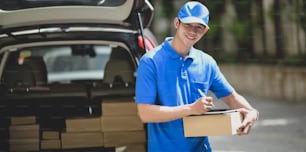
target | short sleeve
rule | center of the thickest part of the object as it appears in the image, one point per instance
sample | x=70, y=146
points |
x=220, y=86
x=146, y=86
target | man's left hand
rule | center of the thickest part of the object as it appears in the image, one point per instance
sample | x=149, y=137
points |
x=249, y=119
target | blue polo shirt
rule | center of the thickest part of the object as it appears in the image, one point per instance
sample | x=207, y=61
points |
x=166, y=78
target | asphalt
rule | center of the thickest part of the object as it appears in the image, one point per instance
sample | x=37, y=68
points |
x=281, y=128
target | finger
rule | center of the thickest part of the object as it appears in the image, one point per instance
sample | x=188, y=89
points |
x=242, y=111
x=245, y=122
x=207, y=101
x=207, y=107
x=210, y=103
x=244, y=130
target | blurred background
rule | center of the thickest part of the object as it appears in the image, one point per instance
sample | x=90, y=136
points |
x=260, y=46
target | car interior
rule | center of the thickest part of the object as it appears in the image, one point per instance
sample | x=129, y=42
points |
x=25, y=83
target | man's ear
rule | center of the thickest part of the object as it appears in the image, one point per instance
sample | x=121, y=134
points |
x=206, y=30
x=176, y=22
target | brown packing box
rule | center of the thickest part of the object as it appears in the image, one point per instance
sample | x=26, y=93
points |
x=25, y=120
x=132, y=148
x=24, y=131
x=121, y=123
x=119, y=138
x=119, y=107
x=82, y=139
x=83, y=124
x=50, y=135
x=24, y=145
x=50, y=144
x=212, y=124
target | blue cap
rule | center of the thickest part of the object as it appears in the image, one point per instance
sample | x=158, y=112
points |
x=194, y=12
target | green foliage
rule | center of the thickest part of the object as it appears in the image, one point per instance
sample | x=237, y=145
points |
x=242, y=27
x=213, y=30
x=168, y=9
x=240, y=30
x=216, y=8
x=242, y=9
x=302, y=14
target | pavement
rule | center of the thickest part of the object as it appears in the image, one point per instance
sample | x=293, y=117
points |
x=281, y=128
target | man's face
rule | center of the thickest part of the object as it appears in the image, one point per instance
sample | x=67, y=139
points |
x=190, y=33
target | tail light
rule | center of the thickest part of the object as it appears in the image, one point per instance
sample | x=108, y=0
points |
x=149, y=43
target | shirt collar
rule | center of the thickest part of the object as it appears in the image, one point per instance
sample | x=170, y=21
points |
x=171, y=52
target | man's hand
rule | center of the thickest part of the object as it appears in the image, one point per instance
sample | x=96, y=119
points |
x=202, y=105
x=249, y=118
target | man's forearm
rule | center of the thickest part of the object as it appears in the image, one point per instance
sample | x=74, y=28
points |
x=157, y=113
x=235, y=101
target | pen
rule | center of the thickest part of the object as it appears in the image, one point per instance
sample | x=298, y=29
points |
x=203, y=95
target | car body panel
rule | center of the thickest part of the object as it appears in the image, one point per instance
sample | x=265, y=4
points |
x=77, y=14
x=64, y=14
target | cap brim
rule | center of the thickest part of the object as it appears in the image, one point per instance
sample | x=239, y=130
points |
x=189, y=20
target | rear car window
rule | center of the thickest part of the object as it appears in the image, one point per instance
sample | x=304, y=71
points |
x=67, y=63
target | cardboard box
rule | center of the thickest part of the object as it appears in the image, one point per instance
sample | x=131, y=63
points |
x=82, y=139
x=121, y=123
x=83, y=124
x=24, y=131
x=120, y=138
x=218, y=124
x=50, y=135
x=24, y=145
x=50, y=144
x=25, y=120
x=132, y=148
x=119, y=107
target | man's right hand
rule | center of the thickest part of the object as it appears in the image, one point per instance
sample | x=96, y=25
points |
x=202, y=105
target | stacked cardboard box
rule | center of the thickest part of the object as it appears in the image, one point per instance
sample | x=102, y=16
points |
x=50, y=140
x=82, y=133
x=24, y=120
x=24, y=134
x=121, y=125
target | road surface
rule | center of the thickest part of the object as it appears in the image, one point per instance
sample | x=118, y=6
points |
x=281, y=128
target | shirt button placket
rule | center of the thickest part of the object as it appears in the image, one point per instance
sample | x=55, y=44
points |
x=183, y=70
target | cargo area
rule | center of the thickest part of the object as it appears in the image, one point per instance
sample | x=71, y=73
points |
x=104, y=123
